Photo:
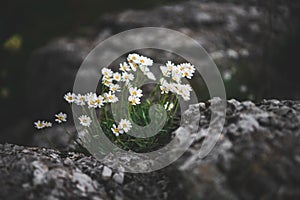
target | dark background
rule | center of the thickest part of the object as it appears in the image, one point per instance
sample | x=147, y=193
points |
x=27, y=26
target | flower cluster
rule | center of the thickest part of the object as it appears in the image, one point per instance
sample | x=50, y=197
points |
x=176, y=73
x=92, y=99
x=123, y=127
x=59, y=118
x=42, y=124
x=182, y=90
x=143, y=63
x=135, y=95
x=171, y=81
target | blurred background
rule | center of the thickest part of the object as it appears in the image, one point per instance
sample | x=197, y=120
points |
x=254, y=43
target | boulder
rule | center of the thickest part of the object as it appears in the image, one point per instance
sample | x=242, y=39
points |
x=257, y=156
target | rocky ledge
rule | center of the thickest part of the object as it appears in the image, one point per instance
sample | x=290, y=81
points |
x=257, y=157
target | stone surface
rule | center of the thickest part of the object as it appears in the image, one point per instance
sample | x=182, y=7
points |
x=256, y=157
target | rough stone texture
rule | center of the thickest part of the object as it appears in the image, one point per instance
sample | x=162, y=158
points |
x=257, y=157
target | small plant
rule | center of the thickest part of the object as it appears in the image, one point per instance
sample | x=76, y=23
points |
x=122, y=89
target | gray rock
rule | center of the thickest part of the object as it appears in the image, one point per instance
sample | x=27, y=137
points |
x=256, y=157
x=83, y=182
x=106, y=173
x=119, y=177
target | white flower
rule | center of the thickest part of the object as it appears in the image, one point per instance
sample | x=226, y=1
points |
x=169, y=106
x=165, y=71
x=107, y=73
x=91, y=100
x=61, y=117
x=39, y=124
x=110, y=97
x=170, y=65
x=164, y=89
x=95, y=101
x=117, y=130
x=125, y=125
x=134, y=66
x=70, y=97
x=176, y=74
x=124, y=67
x=107, y=81
x=134, y=100
x=188, y=74
x=179, y=89
x=145, y=61
x=165, y=86
x=187, y=70
x=183, y=90
x=133, y=58
x=117, y=76
x=89, y=95
x=80, y=100
x=85, y=120
x=47, y=124
x=126, y=77
x=114, y=88
x=99, y=101
x=135, y=92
